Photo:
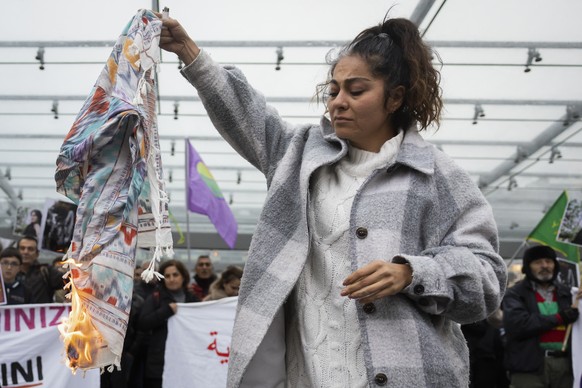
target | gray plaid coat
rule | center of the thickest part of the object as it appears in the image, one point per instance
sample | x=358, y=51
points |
x=422, y=210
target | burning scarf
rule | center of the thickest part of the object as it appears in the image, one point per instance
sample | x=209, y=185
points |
x=110, y=166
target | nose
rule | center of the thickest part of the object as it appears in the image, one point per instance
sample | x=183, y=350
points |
x=338, y=102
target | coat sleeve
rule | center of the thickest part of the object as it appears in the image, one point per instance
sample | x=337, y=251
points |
x=239, y=112
x=458, y=273
x=519, y=322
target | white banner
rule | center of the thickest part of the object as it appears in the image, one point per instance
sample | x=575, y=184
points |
x=198, y=344
x=31, y=349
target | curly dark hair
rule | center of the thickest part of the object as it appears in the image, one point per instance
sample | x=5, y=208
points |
x=395, y=51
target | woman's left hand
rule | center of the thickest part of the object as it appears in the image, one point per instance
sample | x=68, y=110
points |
x=377, y=280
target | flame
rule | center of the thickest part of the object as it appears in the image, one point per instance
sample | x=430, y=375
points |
x=80, y=337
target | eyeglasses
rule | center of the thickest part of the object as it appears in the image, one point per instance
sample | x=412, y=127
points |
x=10, y=264
x=204, y=265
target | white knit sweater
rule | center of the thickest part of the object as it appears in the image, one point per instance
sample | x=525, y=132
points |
x=323, y=341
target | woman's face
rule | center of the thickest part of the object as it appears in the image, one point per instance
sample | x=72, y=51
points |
x=231, y=287
x=33, y=218
x=356, y=105
x=173, y=278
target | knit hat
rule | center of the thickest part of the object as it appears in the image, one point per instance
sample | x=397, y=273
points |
x=539, y=252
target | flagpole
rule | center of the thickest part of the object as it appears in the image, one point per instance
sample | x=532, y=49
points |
x=187, y=158
x=524, y=242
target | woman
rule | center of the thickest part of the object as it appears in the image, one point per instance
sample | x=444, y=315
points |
x=373, y=245
x=33, y=228
x=226, y=285
x=157, y=308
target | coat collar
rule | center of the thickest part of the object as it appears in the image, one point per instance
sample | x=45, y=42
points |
x=415, y=152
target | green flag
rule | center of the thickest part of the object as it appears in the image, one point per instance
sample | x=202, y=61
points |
x=547, y=230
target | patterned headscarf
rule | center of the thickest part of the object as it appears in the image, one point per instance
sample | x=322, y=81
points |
x=110, y=166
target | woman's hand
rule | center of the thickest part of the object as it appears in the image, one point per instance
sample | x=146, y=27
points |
x=377, y=280
x=174, y=307
x=175, y=39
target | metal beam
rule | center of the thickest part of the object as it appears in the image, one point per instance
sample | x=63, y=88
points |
x=450, y=101
x=522, y=152
x=420, y=11
x=300, y=43
x=7, y=188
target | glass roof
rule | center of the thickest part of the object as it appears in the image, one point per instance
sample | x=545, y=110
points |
x=516, y=132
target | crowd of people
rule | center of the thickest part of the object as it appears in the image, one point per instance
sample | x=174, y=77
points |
x=523, y=344
x=27, y=281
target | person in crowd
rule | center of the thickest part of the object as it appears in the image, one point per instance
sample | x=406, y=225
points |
x=372, y=245
x=127, y=376
x=204, y=276
x=10, y=263
x=138, y=349
x=60, y=295
x=536, y=313
x=157, y=308
x=486, y=355
x=40, y=280
x=226, y=285
x=33, y=228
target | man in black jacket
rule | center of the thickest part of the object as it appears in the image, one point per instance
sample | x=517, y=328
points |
x=41, y=281
x=536, y=313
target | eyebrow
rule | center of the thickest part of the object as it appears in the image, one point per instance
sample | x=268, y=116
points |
x=350, y=81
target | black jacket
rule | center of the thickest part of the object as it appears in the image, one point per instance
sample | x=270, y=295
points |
x=153, y=319
x=524, y=324
x=41, y=281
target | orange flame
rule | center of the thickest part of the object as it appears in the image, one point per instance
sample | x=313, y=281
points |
x=80, y=337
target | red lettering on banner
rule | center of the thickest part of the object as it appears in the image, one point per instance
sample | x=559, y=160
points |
x=20, y=316
x=57, y=318
x=223, y=356
x=15, y=319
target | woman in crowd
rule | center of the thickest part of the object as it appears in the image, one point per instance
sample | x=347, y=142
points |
x=156, y=310
x=372, y=245
x=226, y=285
x=33, y=228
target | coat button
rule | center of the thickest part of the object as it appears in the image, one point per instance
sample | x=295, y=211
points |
x=362, y=233
x=419, y=289
x=381, y=379
x=369, y=308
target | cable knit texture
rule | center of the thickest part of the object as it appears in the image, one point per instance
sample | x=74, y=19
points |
x=324, y=342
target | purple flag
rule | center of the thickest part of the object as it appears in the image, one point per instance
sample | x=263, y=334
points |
x=203, y=196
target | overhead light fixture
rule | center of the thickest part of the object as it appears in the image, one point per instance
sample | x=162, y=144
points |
x=555, y=154
x=55, y=109
x=8, y=174
x=40, y=57
x=230, y=199
x=513, y=225
x=238, y=177
x=173, y=148
x=532, y=55
x=176, y=108
x=280, y=58
x=20, y=195
x=512, y=184
x=479, y=112
x=170, y=176
x=180, y=64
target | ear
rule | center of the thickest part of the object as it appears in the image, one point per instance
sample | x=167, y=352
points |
x=395, y=100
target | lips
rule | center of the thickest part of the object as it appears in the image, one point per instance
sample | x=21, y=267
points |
x=341, y=119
